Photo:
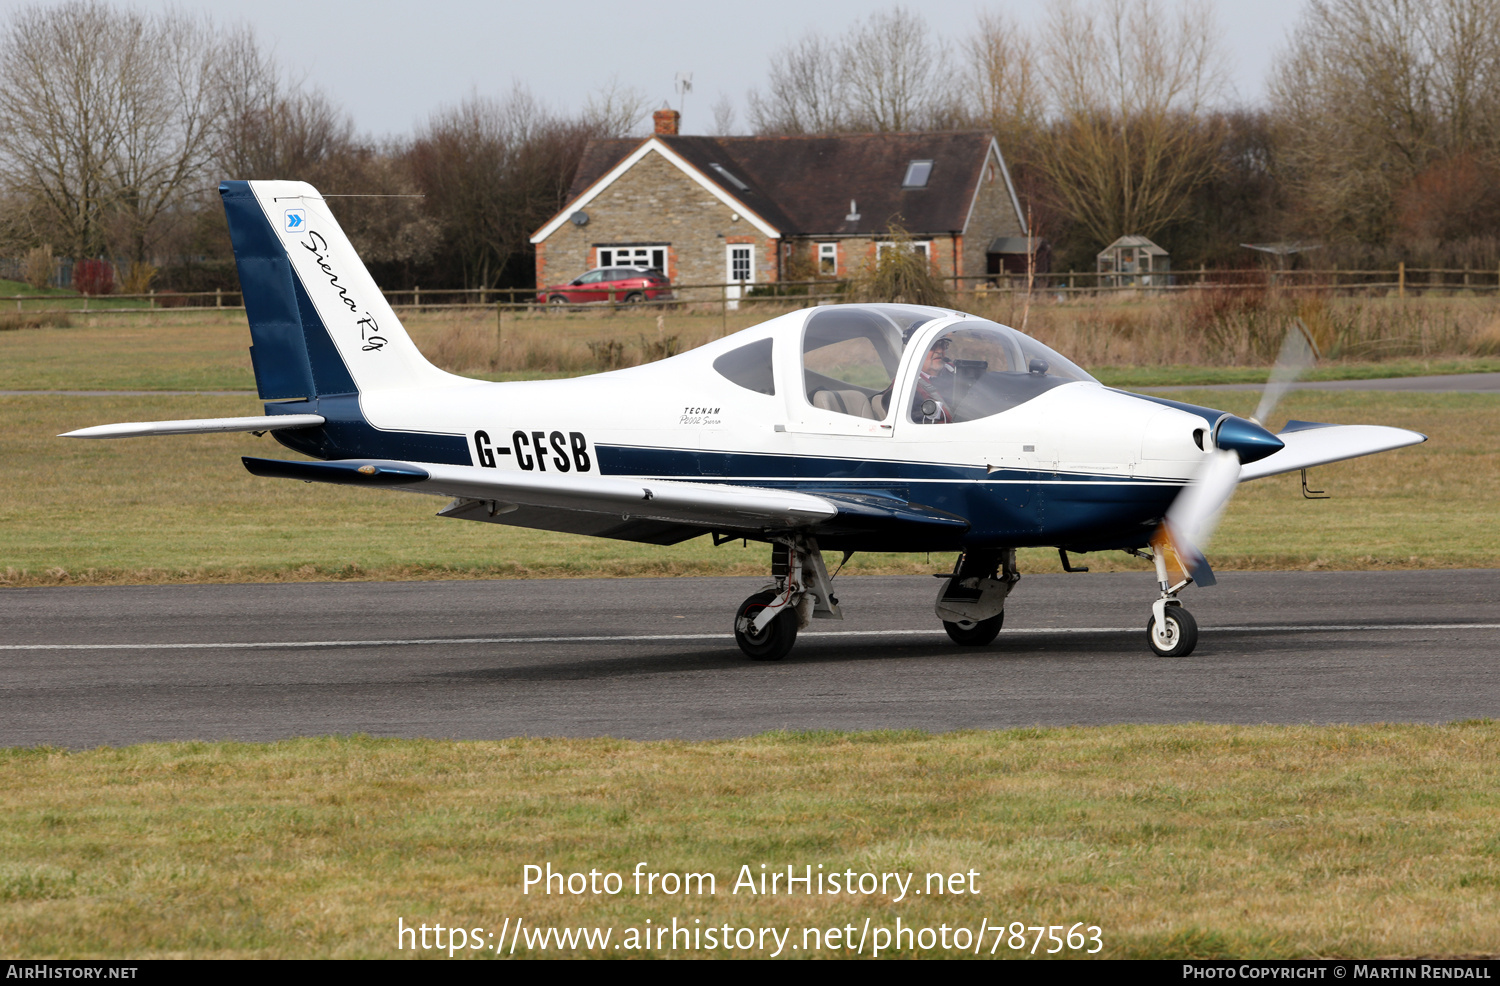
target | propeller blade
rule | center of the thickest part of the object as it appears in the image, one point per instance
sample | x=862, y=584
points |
x=1194, y=516
x=1298, y=355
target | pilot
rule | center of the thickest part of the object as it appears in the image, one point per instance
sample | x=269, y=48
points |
x=933, y=400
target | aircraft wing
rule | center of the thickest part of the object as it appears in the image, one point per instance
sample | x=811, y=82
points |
x=1308, y=444
x=652, y=510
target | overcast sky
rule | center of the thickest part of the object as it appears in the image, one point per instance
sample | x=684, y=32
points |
x=391, y=62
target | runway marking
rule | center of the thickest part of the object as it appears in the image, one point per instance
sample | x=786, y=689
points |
x=647, y=638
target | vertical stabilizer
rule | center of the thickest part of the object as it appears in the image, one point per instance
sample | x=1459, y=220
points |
x=318, y=323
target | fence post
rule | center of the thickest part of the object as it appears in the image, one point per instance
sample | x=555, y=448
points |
x=1401, y=279
x=218, y=297
x=416, y=297
x=151, y=302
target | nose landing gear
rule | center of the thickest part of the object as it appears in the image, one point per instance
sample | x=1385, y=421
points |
x=766, y=624
x=1171, y=631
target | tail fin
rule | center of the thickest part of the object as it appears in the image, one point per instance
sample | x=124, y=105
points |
x=319, y=326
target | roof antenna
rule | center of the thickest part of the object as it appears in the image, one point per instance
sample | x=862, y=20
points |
x=683, y=85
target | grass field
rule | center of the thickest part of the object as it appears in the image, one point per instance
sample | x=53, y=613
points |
x=1175, y=841
x=194, y=349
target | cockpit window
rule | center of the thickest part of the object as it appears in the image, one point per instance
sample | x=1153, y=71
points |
x=750, y=367
x=850, y=355
x=981, y=368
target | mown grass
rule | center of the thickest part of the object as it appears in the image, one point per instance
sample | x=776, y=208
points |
x=183, y=509
x=1187, y=841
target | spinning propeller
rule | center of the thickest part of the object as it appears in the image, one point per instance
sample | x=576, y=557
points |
x=1191, y=520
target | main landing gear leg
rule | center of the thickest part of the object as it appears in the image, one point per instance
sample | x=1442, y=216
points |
x=971, y=602
x=1171, y=631
x=766, y=624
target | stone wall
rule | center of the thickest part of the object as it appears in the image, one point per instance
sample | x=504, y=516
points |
x=994, y=215
x=654, y=202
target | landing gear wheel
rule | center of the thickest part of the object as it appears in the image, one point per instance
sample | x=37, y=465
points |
x=975, y=634
x=775, y=639
x=1177, y=638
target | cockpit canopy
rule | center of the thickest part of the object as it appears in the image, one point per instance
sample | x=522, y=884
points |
x=852, y=355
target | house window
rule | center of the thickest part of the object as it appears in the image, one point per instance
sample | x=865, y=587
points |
x=828, y=258
x=917, y=173
x=924, y=247
x=654, y=256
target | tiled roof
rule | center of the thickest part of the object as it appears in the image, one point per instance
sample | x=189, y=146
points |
x=804, y=185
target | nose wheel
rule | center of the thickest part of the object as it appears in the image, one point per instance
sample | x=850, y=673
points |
x=1171, y=631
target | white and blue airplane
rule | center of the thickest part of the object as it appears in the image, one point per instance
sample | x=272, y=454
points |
x=837, y=428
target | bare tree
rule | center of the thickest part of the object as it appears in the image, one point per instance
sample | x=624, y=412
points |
x=272, y=125
x=885, y=74
x=1373, y=93
x=106, y=119
x=897, y=78
x=1129, y=138
x=807, y=92
x=613, y=110
x=724, y=116
x=1007, y=100
x=61, y=120
x=494, y=170
x=168, y=102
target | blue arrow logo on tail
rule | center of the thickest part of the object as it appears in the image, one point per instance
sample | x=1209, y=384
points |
x=295, y=219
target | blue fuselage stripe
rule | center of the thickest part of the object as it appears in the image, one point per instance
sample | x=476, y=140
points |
x=1003, y=507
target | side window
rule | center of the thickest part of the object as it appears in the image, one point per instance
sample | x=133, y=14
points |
x=592, y=277
x=828, y=258
x=750, y=367
x=848, y=360
x=606, y=257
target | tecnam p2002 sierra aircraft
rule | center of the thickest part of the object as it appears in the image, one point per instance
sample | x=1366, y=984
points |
x=844, y=428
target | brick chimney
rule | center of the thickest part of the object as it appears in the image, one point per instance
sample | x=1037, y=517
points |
x=666, y=122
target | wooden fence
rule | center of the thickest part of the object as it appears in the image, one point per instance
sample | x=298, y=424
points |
x=1398, y=282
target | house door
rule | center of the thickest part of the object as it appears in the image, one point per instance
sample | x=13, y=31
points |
x=739, y=271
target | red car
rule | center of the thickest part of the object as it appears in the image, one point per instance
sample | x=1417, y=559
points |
x=627, y=284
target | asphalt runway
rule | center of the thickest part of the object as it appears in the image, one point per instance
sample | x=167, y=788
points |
x=653, y=658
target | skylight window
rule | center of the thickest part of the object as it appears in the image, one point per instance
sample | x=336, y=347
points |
x=730, y=178
x=917, y=173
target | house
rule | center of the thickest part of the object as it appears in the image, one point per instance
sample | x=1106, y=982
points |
x=1131, y=261
x=756, y=210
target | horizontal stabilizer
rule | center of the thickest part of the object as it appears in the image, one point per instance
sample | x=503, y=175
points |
x=198, y=426
x=1308, y=443
x=350, y=472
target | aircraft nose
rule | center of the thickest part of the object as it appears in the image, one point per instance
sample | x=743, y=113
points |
x=1249, y=439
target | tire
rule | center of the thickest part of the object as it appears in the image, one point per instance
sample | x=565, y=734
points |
x=1182, y=630
x=775, y=640
x=634, y=298
x=556, y=299
x=975, y=634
